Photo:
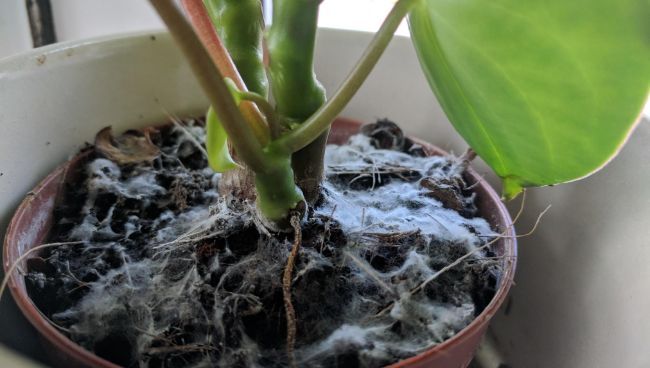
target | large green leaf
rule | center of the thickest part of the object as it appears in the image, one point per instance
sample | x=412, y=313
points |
x=544, y=91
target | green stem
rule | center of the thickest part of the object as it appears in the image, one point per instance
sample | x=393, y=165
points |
x=267, y=109
x=261, y=102
x=240, y=25
x=321, y=119
x=297, y=92
x=277, y=193
x=246, y=145
x=290, y=42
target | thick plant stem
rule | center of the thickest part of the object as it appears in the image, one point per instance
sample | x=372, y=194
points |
x=297, y=92
x=321, y=119
x=204, y=29
x=240, y=26
x=238, y=182
x=277, y=192
x=290, y=42
x=212, y=81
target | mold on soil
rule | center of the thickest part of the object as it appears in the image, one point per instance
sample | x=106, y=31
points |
x=172, y=275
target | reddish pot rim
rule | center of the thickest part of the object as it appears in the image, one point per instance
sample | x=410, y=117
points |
x=42, y=197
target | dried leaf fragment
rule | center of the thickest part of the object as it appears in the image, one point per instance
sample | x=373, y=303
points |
x=446, y=191
x=134, y=146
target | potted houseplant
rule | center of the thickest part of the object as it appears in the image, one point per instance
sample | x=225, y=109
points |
x=283, y=141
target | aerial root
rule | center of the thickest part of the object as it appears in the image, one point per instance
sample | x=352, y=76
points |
x=461, y=259
x=366, y=268
x=286, y=290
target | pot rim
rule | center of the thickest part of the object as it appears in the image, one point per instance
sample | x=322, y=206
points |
x=17, y=62
x=53, y=335
x=20, y=295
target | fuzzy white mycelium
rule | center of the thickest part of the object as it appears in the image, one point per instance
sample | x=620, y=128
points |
x=153, y=302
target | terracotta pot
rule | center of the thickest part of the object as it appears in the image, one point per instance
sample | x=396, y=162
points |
x=32, y=221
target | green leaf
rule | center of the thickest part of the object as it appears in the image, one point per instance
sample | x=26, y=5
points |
x=216, y=144
x=544, y=91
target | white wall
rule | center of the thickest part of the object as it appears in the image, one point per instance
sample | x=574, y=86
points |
x=77, y=19
x=14, y=27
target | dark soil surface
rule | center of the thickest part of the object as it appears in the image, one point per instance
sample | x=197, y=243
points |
x=171, y=275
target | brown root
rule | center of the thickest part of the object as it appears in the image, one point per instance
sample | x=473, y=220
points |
x=286, y=290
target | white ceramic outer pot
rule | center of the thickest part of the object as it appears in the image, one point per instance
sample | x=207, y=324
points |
x=54, y=99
